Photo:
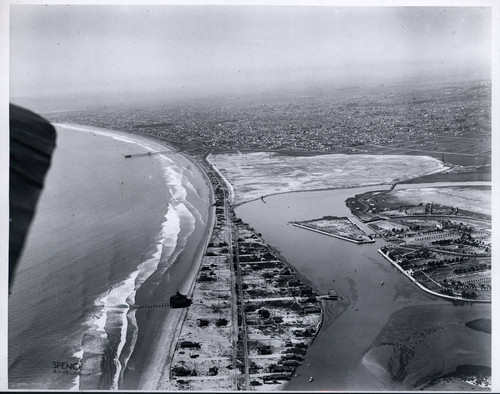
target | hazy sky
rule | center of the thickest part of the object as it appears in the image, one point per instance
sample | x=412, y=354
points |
x=199, y=49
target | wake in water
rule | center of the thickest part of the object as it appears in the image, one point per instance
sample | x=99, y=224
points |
x=115, y=310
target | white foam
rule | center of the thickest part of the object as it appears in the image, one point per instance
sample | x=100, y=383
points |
x=115, y=304
x=185, y=211
x=76, y=383
x=76, y=380
x=177, y=215
x=99, y=319
x=170, y=232
x=177, y=183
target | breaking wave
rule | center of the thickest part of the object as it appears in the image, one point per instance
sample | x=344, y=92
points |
x=114, y=311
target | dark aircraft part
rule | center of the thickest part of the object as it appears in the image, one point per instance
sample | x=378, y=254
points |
x=32, y=141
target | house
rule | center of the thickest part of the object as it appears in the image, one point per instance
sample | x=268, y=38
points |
x=311, y=309
x=189, y=345
x=278, y=376
x=305, y=291
x=297, y=350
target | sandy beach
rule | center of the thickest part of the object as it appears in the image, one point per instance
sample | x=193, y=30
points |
x=157, y=369
x=160, y=328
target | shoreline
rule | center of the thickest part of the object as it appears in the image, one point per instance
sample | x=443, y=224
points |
x=171, y=322
x=175, y=318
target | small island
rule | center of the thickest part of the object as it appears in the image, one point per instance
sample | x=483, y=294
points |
x=338, y=227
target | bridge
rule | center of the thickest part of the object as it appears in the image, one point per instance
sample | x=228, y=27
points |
x=396, y=181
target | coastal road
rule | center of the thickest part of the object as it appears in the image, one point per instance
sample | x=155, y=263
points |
x=234, y=312
x=235, y=280
x=278, y=299
x=242, y=311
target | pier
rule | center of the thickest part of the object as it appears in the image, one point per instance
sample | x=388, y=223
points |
x=147, y=154
x=162, y=305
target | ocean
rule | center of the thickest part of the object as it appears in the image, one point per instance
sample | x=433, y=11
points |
x=106, y=231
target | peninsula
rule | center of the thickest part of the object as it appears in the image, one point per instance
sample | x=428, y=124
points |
x=252, y=316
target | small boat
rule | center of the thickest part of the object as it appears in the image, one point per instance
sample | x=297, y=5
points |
x=382, y=283
x=311, y=378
